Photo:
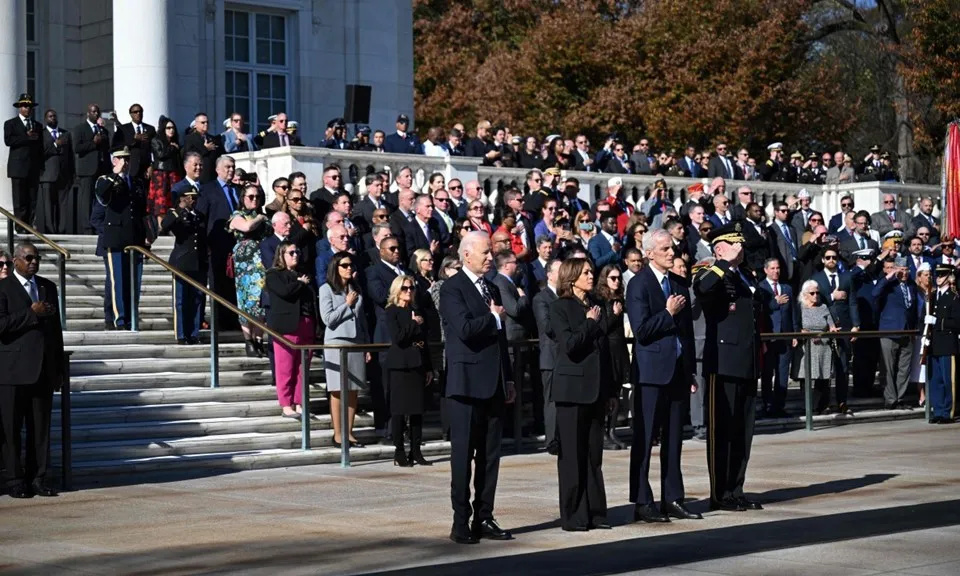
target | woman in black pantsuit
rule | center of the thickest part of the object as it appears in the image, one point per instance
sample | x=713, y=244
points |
x=408, y=363
x=582, y=389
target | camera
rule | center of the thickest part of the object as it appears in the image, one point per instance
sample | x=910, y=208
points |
x=250, y=177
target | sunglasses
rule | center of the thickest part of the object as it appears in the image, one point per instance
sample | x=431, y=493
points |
x=31, y=258
x=889, y=202
x=406, y=288
x=441, y=199
x=392, y=249
x=136, y=111
x=846, y=205
x=537, y=180
x=282, y=187
x=335, y=177
x=6, y=264
x=812, y=293
x=292, y=252
x=346, y=265
x=476, y=207
x=251, y=197
x=829, y=257
x=613, y=278
x=295, y=200
x=456, y=187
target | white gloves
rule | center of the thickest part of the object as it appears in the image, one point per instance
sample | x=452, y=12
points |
x=929, y=319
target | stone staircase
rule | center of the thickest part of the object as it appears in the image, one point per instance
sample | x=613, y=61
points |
x=142, y=404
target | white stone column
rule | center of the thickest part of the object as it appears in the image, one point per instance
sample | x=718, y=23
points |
x=13, y=74
x=141, y=58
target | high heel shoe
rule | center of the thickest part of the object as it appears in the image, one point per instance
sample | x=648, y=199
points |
x=416, y=457
x=400, y=459
x=258, y=347
x=250, y=349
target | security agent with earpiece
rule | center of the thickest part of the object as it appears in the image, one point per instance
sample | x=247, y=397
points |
x=123, y=199
x=732, y=310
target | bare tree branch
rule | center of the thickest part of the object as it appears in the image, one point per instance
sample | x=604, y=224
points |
x=891, y=22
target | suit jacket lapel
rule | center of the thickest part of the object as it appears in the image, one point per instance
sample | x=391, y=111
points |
x=21, y=293
x=656, y=288
x=470, y=288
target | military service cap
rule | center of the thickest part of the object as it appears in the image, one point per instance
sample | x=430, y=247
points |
x=731, y=233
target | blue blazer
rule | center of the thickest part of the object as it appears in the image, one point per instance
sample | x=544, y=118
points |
x=477, y=358
x=601, y=251
x=394, y=144
x=782, y=317
x=214, y=206
x=894, y=313
x=656, y=331
x=538, y=271
x=844, y=311
x=913, y=266
x=230, y=142
x=322, y=261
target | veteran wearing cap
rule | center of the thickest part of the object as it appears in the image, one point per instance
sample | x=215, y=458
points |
x=361, y=141
x=770, y=169
x=872, y=166
x=813, y=172
x=896, y=297
x=401, y=141
x=123, y=198
x=941, y=347
x=277, y=136
x=22, y=135
x=337, y=139
x=732, y=311
x=189, y=255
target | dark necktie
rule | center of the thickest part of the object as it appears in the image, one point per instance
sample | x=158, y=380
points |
x=665, y=286
x=863, y=243
x=484, y=291
x=906, y=295
x=833, y=281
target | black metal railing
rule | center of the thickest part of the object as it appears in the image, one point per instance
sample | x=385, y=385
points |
x=62, y=256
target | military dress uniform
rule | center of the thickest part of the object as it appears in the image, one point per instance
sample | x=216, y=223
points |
x=123, y=198
x=731, y=311
x=189, y=255
x=942, y=352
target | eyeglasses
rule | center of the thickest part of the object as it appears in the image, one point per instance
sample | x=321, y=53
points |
x=536, y=180
x=550, y=209
x=441, y=199
x=170, y=128
x=613, y=278
x=618, y=149
x=889, y=202
x=31, y=258
x=455, y=187
x=476, y=208
x=136, y=111
x=846, y=205
x=781, y=209
x=295, y=200
x=923, y=233
x=392, y=248
x=406, y=288
x=250, y=197
x=811, y=293
x=6, y=264
x=829, y=257
x=283, y=187
x=335, y=177
x=236, y=119
x=292, y=253
x=346, y=265
x=820, y=220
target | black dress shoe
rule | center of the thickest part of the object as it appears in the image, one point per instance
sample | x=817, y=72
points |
x=193, y=341
x=602, y=525
x=574, y=528
x=41, y=489
x=462, y=536
x=679, y=511
x=249, y=349
x=729, y=505
x=20, y=491
x=936, y=420
x=181, y=342
x=946, y=421
x=647, y=513
x=749, y=504
x=553, y=448
x=490, y=530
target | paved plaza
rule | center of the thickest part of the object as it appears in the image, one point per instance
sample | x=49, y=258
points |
x=868, y=499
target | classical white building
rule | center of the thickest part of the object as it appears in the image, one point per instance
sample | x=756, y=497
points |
x=180, y=57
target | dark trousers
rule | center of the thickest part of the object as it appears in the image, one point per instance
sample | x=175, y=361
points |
x=731, y=407
x=224, y=287
x=24, y=198
x=416, y=432
x=119, y=295
x=48, y=207
x=188, y=308
x=476, y=429
x=866, y=353
x=66, y=196
x=549, y=407
x=583, y=498
x=776, y=373
x=942, y=370
x=379, y=391
x=842, y=370
x=30, y=406
x=657, y=411
x=82, y=204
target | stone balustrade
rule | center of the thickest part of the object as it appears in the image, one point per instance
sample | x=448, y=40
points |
x=280, y=162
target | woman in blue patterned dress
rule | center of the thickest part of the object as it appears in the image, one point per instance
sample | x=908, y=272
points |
x=250, y=225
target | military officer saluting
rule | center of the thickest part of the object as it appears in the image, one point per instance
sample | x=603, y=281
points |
x=942, y=348
x=731, y=351
x=189, y=255
x=770, y=169
x=123, y=199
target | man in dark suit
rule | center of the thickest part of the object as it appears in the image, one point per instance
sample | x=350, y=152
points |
x=516, y=303
x=22, y=134
x=56, y=177
x=604, y=248
x=859, y=240
x=423, y=232
x=277, y=136
x=744, y=198
x=208, y=146
x=866, y=351
x=662, y=371
x=722, y=166
x=401, y=218
x=189, y=255
x=838, y=292
x=136, y=136
x=363, y=211
x=916, y=257
x=401, y=141
x=479, y=385
x=779, y=305
x=896, y=297
x=33, y=367
x=784, y=241
x=757, y=240
x=837, y=220
x=124, y=199
x=92, y=145
x=379, y=277
x=322, y=199
x=731, y=353
x=218, y=199
x=926, y=218
x=548, y=351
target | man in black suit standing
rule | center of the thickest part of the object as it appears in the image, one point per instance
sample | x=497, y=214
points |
x=663, y=369
x=136, y=136
x=278, y=137
x=209, y=147
x=721, y=165
x=321, y=199
x=218, y=199
x=363, y=211
x=56, y=177
x=479, y=385
x=22, y=134
x=32, y=363
x=548, y=351
x=423, y=231
x=92, y=144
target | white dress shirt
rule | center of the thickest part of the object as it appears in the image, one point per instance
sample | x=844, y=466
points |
x=475, y=280
x=30, y=286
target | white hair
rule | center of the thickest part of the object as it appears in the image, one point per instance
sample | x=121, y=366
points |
x=278, y=217
x=469, y=240
x=803, y=290
x=331, y=230
x=224, y=159
x=650, y=240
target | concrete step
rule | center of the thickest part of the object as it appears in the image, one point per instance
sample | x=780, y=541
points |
x=174, y=412
x=100, y=337
x=183, y=395
x=156, y=351
x=93, y=324
x=97, y=288
x=177, y=380
x=96, y=312
x=142, y=366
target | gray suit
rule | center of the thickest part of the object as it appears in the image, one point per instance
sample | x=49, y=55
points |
x=517, y=308
x=548, y=358
x=55, y=201
x=882, y=224
x=699, y=337
x=344, y=325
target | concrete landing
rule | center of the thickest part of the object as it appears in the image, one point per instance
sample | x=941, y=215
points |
x=874, y=499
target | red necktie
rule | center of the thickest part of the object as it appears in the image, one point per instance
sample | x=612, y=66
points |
x=776, y=289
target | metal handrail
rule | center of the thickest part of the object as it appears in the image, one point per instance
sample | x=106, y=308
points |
x=62, y=256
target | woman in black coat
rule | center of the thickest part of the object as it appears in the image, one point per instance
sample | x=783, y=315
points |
x=408, y=363
x=582, y=388
x=609, y=293
x=293, y=313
